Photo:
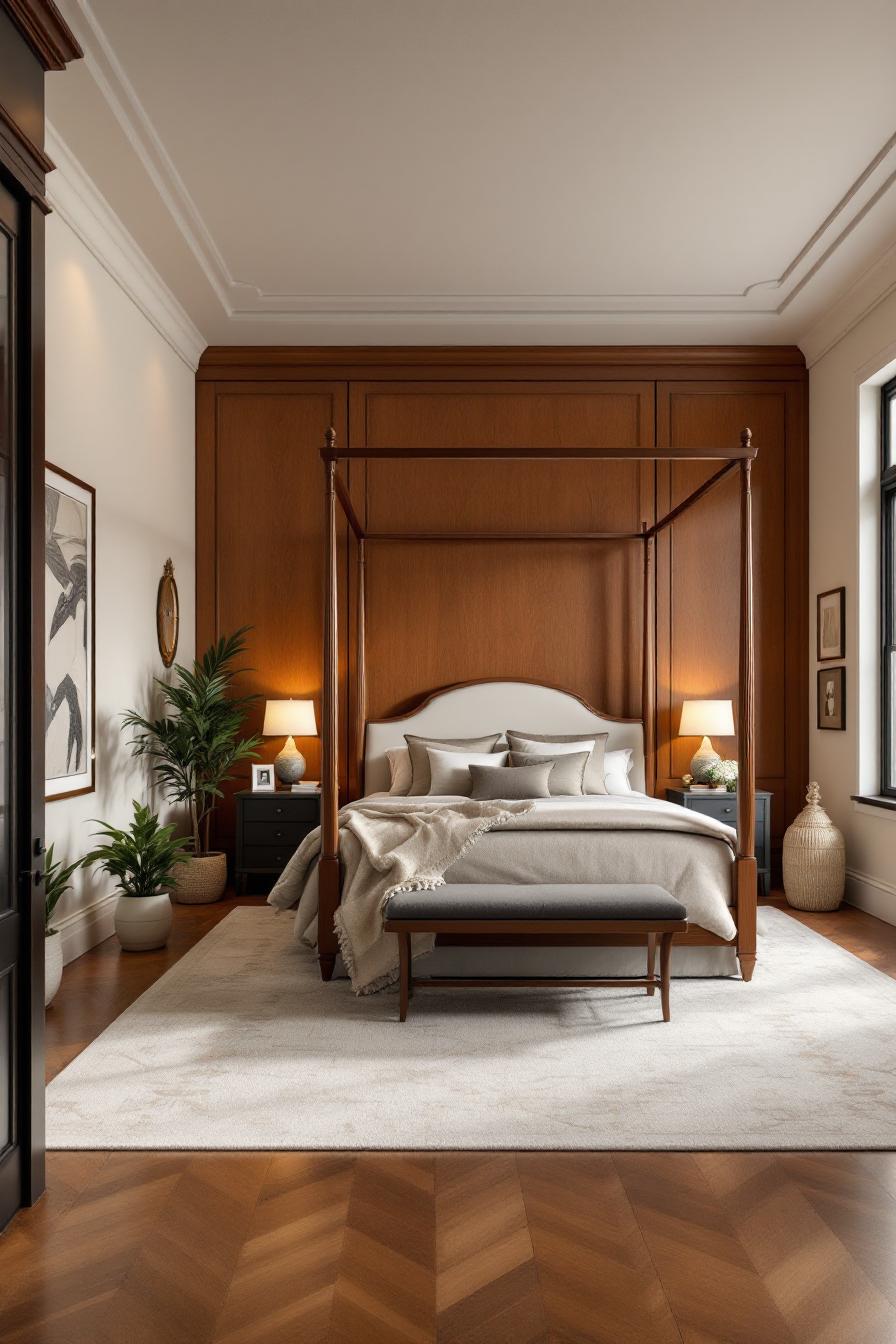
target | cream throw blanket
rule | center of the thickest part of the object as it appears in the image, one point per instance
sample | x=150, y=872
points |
x=407, y=850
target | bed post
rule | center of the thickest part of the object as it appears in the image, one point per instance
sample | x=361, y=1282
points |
x=745, y=868
x=328, y=864
x=362, y=660
x=648, y=667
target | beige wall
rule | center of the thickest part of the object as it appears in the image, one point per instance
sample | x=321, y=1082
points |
x=843, y=549
x=120, y=416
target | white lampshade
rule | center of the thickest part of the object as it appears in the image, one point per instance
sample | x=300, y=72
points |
x=289, y=718
x=706, y=718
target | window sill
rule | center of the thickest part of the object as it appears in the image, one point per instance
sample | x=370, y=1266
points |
x=873, y=805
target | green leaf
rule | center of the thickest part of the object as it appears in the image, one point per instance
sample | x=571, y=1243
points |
x=194, y=747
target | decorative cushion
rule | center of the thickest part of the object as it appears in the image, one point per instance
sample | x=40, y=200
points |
x=556, y=743
x=399, y=759
x=511, y=781
x=450, y=770
x=569, y=900
x=420, y=761
x=617, y=768
x=567, y=770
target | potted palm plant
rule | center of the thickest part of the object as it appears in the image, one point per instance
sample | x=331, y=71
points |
x=142, y=860
x=193, y=748
x=57, y=881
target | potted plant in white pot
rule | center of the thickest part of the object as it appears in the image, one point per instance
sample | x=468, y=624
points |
x=193, y=749
x=57, y=881
x=142, y=860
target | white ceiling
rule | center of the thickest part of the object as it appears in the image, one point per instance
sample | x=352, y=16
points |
x=528, y=170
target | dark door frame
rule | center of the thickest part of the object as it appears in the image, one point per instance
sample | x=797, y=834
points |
x=33, y=39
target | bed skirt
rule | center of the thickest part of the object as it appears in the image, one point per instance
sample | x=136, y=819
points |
x=574, y=962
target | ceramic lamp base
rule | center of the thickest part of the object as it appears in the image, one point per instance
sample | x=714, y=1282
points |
x=289, y=764
x=704, y=757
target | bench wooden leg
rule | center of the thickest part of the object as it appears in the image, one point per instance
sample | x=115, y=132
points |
x=651, y=962
x=665, y=960
x=404, y=973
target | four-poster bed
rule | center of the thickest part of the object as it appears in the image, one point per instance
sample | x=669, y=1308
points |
x=736, y=459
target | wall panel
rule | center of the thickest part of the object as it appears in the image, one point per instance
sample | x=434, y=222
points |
x=567, y=614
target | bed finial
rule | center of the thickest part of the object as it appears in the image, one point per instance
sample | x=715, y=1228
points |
x=330, y=438
x=746, y=438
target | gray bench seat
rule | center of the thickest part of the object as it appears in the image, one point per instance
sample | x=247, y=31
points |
x=559, y=900
x=555, y=910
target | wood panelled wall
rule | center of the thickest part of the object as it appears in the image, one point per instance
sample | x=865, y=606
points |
x=564, y=613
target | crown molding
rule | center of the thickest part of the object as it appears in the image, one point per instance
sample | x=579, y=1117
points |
x=45, y=31
x=876, y=283
x=78, y=201
x=772, y=360
x=764, y=300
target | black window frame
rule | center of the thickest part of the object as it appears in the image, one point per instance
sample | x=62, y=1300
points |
x=887, y=590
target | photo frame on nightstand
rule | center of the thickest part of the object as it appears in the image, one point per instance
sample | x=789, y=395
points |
x=263, y=779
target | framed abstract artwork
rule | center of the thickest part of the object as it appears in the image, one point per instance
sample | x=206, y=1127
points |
x=832, y=698
x=69, y=651
x=831, y=625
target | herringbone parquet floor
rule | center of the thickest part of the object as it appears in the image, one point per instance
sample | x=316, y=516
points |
x=472, y=1248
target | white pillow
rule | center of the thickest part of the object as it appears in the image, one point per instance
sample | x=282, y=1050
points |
x=618, y=766
x=450, y=770
x=532, y=748
x=400, y=772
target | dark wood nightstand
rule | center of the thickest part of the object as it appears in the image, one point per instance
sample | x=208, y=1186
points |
x=269, y=829
x=723, y=806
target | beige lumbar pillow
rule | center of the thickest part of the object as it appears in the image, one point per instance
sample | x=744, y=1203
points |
x=417, y=746
x=511, y=781
x=555, y=744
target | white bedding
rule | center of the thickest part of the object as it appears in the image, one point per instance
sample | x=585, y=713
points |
x=633, y=838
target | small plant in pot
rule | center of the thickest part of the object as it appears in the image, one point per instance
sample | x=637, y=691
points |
x=722, y=773
x=57, y=881
x=142, y=860
x=193, y=749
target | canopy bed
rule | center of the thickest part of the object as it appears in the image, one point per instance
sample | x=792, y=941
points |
x=603, y=835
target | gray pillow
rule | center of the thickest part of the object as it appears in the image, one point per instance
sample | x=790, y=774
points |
x=567, y=772
x=420, y=776
x=510, y=781
x=594, y=770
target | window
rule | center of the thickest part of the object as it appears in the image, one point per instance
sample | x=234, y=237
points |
x=888, y=589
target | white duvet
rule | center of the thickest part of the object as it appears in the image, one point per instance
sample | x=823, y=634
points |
x=618, y=838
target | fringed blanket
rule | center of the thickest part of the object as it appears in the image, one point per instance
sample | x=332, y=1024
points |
x=384, y=850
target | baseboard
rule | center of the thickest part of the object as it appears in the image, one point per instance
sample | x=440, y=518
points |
x=871, y=894
x=83, y=929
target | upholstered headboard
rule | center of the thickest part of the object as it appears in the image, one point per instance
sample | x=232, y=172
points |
x=479, y=707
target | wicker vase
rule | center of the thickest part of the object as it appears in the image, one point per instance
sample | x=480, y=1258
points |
x=814, y=858
x=201, y=880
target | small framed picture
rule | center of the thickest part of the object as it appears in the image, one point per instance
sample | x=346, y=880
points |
x=832, y=698
x=263, y=779
x=831, y=625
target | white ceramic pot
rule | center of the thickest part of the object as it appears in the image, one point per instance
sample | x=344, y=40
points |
x=143, y=922
x=52, y=966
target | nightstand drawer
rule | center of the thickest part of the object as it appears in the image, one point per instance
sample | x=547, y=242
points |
x=266, y=858
x=275, y=832
x=291, y=807
x=716, y=805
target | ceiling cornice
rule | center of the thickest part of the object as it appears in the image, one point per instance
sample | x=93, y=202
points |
x=762, y=301
x=74, y=196
x=45, y=31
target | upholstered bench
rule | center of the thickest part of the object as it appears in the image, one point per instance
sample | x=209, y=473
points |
x=551, y=910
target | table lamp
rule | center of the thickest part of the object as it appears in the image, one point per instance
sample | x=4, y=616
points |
x=288, y=718
x=705, y=718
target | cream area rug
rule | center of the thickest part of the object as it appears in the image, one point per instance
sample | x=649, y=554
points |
x=241, y=1046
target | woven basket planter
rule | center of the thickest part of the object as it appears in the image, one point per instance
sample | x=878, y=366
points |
x=201, y=880
x=814, y=858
